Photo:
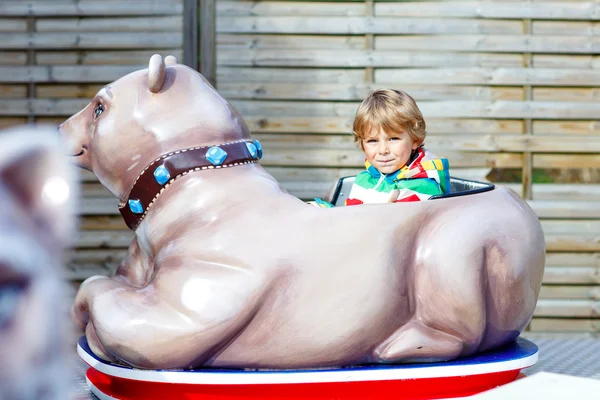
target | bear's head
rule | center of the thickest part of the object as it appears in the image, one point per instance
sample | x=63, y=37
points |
x=134, y=120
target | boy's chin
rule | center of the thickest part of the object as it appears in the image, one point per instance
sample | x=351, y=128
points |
x=388, y=169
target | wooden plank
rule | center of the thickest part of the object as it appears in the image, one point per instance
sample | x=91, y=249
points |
x=564, y=325
x=589, y=227
x=84, y=263
x=114, y=24
x=572, y=242
x=62, y=91
x=575, y=28
x=587, y=10
x=492, y=43
x=591, y=127
x=287, y=75
x=558, y=335
x=43, y=8
x=104, y=239
x=51, y=121
x=72, y=73
x=13, y=25
x=102, y=222
x=568, y=191
x=566, y=160
x=94, y=189
x=363, y=25
x=285, y=8
x=565, y=209
x=462, y=143
x=360, y=58
x=95, y=255
x=566, y=94
x=433, y=109
x=13, y=58
x=8, y=122
x=358, y=91
x=13, y=91
x=562, y=61
x=240, y=42
x=441, y=76
x=81, y=271
x=572, y=259
x=99, y=206
x=344, y=125
x=567, y=308
x=138, y=58
x=570, y=292
x=516, y=143
x=490, y=76
x=88, y=40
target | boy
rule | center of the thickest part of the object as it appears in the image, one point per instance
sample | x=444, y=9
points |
x=390, y=129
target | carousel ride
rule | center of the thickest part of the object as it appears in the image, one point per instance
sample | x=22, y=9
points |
x=233, y=288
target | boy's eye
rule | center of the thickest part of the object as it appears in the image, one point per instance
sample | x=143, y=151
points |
x=372, y=141
x=395, y=138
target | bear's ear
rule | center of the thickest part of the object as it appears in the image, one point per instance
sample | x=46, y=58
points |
x=170, y=60
x=156, y=73
x=36, y=173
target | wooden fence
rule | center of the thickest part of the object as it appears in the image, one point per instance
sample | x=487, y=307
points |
x=502, y=84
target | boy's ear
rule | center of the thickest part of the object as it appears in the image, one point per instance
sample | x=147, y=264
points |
x=36, y=173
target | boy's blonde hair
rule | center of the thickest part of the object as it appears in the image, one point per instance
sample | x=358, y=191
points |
x=392, y=110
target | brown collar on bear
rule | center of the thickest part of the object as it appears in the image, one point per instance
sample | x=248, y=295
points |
x=157, y=176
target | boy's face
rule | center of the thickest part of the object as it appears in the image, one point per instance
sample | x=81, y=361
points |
x=388, y=152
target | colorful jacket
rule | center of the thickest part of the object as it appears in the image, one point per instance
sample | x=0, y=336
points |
x=424, y=176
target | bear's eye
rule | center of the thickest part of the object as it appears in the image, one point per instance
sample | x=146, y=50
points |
x=98, y=110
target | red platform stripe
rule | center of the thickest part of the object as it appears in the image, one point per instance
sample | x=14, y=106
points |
x=407, y=389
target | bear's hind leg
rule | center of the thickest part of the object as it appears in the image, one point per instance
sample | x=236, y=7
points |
x=416, y=342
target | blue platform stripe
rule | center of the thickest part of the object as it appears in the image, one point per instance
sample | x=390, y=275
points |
x=252, y=149
x=259, y=148
x=520, y=349
x=161, y=174
x=136, y=206
x=216, y=155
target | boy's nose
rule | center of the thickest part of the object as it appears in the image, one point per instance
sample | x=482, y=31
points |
x=383, y=148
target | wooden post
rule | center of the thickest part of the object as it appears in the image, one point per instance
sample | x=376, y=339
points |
x=190, y=33
x=208, y=48
x=527, y=169
x=31, y=90
x=370, y=39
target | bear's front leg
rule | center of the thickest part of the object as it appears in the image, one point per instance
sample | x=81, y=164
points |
x=187, y=313
x=135, y=269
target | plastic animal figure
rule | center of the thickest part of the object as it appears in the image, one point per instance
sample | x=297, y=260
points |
x=36, y=223
x=229, y=270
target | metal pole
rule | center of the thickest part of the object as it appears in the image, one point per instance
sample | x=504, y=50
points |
x=190, y=33
x=208, y=48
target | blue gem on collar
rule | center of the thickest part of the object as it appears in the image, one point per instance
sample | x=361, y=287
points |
x=136, y=206
x=259, y=148
x=161, y=174
x=216, y=155
x=252, y=149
